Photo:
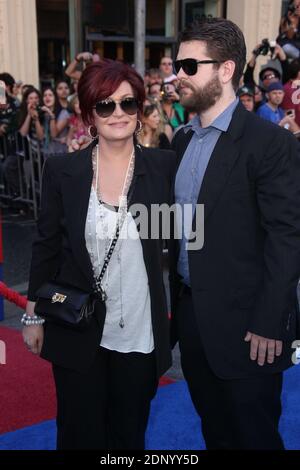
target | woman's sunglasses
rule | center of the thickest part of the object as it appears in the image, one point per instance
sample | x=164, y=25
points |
x=106, y=108
x=190, y=66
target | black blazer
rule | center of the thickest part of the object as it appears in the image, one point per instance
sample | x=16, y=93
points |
x=60, y=250
x=245, y=276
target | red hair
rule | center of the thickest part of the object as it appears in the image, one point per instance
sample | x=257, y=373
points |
x=101, y=79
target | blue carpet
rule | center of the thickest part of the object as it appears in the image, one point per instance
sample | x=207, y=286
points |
x=173, y=423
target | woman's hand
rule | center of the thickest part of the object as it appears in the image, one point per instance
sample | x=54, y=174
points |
x=33, y=337
x=79, y=144
x=32, y=111
x=48, y=111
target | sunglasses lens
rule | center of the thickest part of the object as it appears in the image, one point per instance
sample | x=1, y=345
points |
x=105, y=109
x=129, y=106
x=189, y=66
x=177, y=66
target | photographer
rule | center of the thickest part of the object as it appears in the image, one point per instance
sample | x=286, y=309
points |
x=30, y=115
x=154, y=91
x=8, y=113
x=8, y=129
x=289, y=37
x=275, y=50
x=173, y=111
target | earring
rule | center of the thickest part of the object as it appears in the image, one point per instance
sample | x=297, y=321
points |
x=139, y=129
x=92, y=132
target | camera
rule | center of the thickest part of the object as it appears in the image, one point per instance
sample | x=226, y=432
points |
x=165, y=95
x=265, y=47
x=167, y=91
x=39, y=110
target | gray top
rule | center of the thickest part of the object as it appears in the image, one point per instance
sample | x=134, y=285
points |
x=192, y=169
x=58, y=144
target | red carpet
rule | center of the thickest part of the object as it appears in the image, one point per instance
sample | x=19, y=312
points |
x=27, y=394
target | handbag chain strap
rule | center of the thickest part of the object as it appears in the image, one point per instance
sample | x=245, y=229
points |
x=98, y=287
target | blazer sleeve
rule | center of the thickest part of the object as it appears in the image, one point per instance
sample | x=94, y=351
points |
x=278, y=197
x=46, y=248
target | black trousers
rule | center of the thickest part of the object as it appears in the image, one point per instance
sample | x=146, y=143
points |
x=235, y=414
x=107, y=407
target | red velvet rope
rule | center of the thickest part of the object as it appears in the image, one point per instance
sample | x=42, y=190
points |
x=12, y=296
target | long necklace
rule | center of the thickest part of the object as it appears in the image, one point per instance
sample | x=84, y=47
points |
x=121, y=216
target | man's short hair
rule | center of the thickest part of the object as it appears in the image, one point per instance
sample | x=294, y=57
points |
x=224, y=41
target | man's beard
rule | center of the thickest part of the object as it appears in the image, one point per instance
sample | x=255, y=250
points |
x=202, y=98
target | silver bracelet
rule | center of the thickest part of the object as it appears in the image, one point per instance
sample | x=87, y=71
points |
x=28, y=320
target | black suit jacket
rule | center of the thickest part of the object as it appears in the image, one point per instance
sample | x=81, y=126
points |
x=245, y=276
x=60, y=250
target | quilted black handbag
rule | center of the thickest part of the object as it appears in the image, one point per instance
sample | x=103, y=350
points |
x=69, y=306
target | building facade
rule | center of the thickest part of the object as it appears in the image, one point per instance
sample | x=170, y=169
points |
x=39, y=37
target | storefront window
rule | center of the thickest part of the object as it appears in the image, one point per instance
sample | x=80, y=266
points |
x=194, y=10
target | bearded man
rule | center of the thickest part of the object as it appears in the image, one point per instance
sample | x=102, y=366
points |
x=234, y=303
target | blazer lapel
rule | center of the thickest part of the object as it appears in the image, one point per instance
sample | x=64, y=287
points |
x=223, y=159
x=136, y=193
x=76, y=188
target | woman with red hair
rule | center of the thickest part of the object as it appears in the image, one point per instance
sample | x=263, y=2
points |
x=106, y=375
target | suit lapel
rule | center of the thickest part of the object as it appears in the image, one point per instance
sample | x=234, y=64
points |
x=223, y=159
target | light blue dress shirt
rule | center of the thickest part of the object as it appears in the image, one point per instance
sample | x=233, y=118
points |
x=191, y=172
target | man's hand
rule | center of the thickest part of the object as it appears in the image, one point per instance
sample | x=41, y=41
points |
x=173, y=95
x=292, y=125
x=85, y=56
x=261, y=347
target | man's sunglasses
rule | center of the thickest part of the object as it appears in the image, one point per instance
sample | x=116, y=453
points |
x=269, y=76
x=106, y=108
x=190, y=66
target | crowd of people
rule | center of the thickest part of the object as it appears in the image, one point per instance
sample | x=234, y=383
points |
x=51, y=117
